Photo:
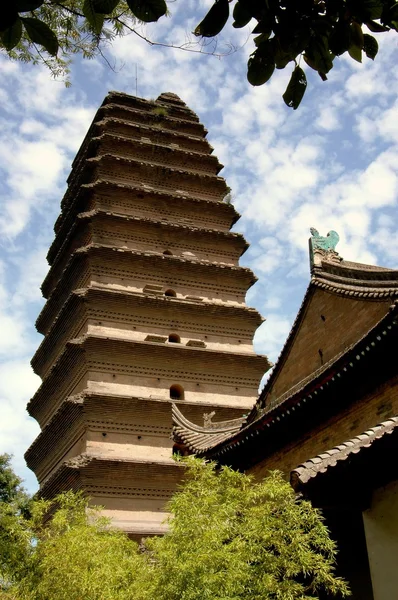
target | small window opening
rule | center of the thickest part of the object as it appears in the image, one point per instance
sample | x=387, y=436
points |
x=323, y=318
x=320, y=352
x=176, y=392
x=170, y=293
x=174, y=338
x=168, y=253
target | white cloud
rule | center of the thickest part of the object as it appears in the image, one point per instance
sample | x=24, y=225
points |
x=17, y=429
x=270, y=334
x=328, y=119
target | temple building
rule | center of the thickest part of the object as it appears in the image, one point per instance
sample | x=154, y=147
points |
x=328, y=416
x=145, y=306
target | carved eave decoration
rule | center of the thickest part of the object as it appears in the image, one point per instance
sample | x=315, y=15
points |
x=199, y=438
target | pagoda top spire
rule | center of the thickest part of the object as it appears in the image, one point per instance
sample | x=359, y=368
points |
x=170, y=97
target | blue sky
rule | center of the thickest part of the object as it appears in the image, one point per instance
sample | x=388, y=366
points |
x=332, y=164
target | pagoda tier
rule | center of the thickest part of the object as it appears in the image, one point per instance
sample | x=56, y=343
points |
x=104, y=363
x=116, y=268
x=145, y=235
x=145, y=307
x=133, y=493
x=133, y=427
x=135, y=201
x=137, y=315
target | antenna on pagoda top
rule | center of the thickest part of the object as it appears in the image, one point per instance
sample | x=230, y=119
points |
x=136, y=80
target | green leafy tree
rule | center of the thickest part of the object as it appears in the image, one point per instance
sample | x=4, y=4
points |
x=233, y=539
x=51, y=31
x=229, y=539
x=285, y=31
x=14, y=539
x=11, y=489
x=74, y=554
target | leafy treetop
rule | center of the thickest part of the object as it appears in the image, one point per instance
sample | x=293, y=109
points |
x=229, y=539
x=11, y=489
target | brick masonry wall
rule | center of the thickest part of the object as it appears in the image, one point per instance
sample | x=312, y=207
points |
x=369, y=410
x=329, y=325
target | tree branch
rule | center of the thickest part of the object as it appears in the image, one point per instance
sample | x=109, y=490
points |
x=186, y=46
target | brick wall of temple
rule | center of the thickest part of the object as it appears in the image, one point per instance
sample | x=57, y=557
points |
x=330, y=325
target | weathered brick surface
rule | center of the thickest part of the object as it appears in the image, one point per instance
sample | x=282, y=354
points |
x=356, y=418
x=328, y=326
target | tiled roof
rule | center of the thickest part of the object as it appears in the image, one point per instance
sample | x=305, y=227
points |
x=309, y=390
x=327, y=460
x=355, y=279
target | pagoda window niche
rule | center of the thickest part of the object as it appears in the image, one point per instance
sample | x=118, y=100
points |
x=170, y=293
x=174, y=338
x=176, y=392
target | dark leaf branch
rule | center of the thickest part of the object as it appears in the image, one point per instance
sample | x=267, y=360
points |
x=14, y=24
x=317, y=30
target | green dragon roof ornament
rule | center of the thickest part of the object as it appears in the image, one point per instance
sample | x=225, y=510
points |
x=323, y=247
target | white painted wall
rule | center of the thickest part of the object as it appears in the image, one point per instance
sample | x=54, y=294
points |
x=381, y=530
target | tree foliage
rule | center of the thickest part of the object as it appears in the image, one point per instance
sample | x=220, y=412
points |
x=14, y=514
x=233, y=539
x=71, y=556
x=315, y=30
x=51, y=32
x=285, y=31
x=229, y=539
x=11, y=489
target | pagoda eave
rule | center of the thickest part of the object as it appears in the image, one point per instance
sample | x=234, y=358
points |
x=117, y=476
x=61, y=243
x=196, y=355
x=195, y=162
x=150, y=117
x=114, y=262
x=103, y=187
x=154, y=176
x=111, y=414
x=133, y=130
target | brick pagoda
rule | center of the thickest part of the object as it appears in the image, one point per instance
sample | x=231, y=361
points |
x=145, y=306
